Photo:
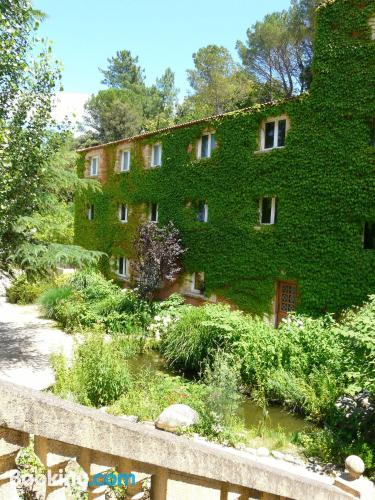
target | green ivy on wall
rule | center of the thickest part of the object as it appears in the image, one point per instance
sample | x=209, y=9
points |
x=324, y=181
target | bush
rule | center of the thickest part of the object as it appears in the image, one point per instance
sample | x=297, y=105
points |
x=192, y=340
x=153, y=392
x=51, y=297
x=357, y=332
x=22, y=291
x=98, y=375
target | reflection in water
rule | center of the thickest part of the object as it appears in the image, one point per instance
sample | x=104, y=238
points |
x=252, y=414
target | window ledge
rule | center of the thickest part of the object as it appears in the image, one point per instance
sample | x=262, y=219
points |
x=268, y=150
x=123, y=278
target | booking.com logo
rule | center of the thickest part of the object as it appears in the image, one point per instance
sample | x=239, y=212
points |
x=73, y=479
x=112, y=479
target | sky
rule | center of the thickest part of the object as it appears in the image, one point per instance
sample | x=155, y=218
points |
x=162, y=33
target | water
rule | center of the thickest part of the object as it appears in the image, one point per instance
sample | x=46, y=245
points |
x=277, y=418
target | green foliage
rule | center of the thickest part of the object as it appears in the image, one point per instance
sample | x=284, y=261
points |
x=123, y=71
x=128, y=105
x=222, y=379
x=152, y=392
x=358, y=335
x=41, y=260
x=98, y=375
x=28, y=80
x=323, y=181
x=332, y=446
x=191, y=340
x=89, y=301
x=51, y=297
x=113, y=114
x=22, y=291
x=219, y=83
x=278, y=50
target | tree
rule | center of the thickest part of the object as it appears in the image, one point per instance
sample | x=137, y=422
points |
x=27, y=85
x=53, y=221
x=278, y=50
x=123, y=72
x=167, y=91
x=160, y=102
x=158, y=250
x=218, y=82
x=113, y=114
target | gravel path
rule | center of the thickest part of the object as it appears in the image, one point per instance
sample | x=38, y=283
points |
x=26, y=344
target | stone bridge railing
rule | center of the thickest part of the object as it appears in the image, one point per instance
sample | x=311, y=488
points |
x=63, y=430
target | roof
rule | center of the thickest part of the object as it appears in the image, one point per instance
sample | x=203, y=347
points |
x=251, y=109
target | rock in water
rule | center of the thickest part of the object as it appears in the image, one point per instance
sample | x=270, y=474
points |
x=176, y=416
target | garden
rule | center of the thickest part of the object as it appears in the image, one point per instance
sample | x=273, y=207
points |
x=136, y=357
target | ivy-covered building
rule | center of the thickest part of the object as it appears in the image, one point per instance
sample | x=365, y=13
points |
x=275, y=203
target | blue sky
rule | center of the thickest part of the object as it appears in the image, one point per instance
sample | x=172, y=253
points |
x=162, y=33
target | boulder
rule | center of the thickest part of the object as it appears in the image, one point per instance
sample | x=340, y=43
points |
x=176, y=416
x=355, y=466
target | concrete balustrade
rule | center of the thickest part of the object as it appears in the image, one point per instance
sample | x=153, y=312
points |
x=100, y=443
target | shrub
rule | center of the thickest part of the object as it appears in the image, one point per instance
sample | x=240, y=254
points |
x=98, y=375
x=93, y=285
x=357, y=332
x=51, y=297
x=190, y=342
x=22, y=291
x=222, y=379
x=153, y=392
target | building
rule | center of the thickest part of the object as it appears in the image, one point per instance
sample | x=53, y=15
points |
x=276, y=203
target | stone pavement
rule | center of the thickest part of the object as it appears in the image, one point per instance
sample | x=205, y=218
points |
x=26, y=344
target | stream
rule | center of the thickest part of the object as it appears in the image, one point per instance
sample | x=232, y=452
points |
x=252, y=415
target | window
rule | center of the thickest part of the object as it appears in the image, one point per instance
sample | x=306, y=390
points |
x=94, y=166
x=90, y=212
x=197, y=284
x=154, y=212
x=206, y=144
x=156, y=155
x=267, y=210
x=202, y=215
x=123, y=213
x=273, y=134
x=123, y=267
x=372, y=26
x=369, y=236
x=125, y=161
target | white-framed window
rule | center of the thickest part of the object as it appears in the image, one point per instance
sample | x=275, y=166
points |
x=90, y=212
x=273, y=133
x=198, y=283
x=267, y=210
x=372, y=26
x=202, y=215
x=94, y=166
x=123, y=267
x=206, y=144
x=154, y=212
x=125, y=160
x=123, y=213
x=156, y=155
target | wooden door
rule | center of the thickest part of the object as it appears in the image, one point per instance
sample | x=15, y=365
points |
x=286, y=299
